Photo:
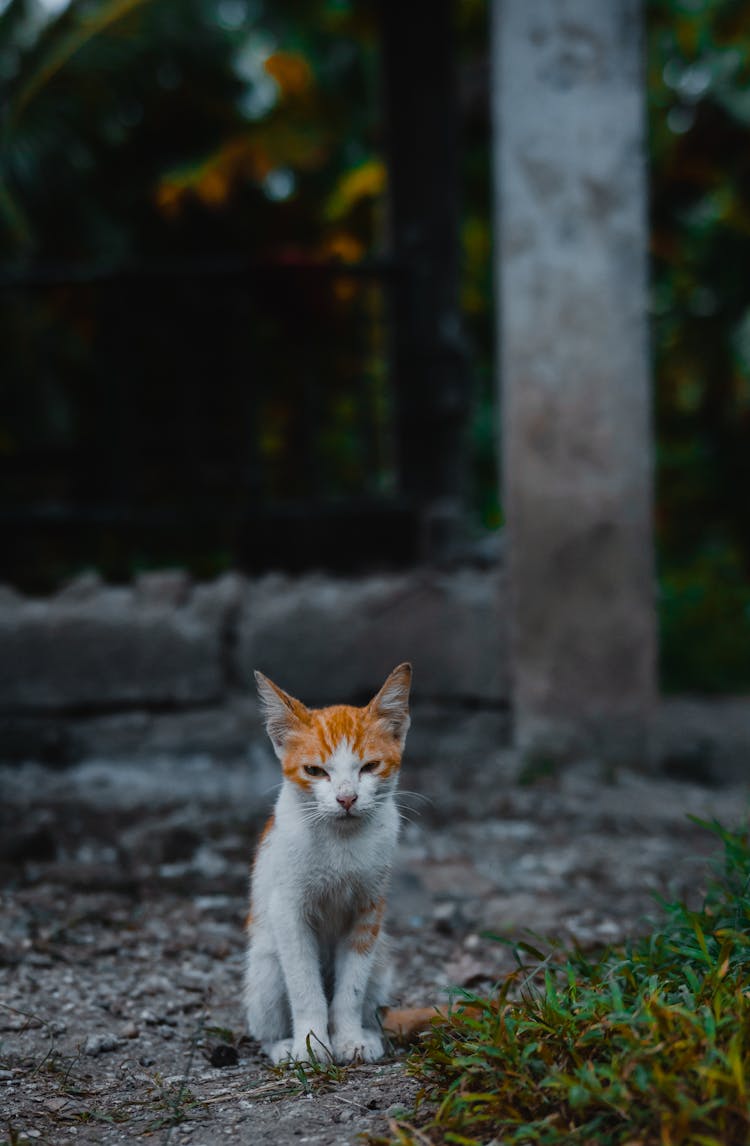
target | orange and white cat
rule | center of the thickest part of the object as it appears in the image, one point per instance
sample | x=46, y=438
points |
x=317, y=967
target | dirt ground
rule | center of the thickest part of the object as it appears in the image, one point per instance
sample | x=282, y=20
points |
x=122, y=895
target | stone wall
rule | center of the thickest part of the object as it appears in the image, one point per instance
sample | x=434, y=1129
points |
x=165, y=664
x=164, y=667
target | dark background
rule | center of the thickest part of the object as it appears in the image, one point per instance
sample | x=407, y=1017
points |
x=198, y=280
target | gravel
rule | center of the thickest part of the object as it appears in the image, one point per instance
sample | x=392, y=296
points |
x=121, y=937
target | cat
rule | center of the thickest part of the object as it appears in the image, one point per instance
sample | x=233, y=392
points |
x=317, y=968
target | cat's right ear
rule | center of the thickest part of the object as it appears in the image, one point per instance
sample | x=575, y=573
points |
x=282, y=713
x=391, y=704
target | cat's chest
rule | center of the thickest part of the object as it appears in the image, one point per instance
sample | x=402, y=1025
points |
x=333, y=906
x=339, y=882
x=348, y=868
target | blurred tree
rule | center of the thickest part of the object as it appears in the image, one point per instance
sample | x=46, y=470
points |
x=699, y=93
x=162, y=132
x=134, y=127
x=144, y=130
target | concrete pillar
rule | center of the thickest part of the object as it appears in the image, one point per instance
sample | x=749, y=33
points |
x=575, y=404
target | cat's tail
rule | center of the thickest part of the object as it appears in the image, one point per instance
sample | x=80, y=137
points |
x=406, y=1024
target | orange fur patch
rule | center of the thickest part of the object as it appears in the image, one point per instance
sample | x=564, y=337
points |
x=265, y=833
x=367, y=928
x=406, y=1024
x=324, y=729
x=267, y=827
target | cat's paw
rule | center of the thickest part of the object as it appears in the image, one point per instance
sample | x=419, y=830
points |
x=291, y=1051
x=280, y=1051
x=358, y=1046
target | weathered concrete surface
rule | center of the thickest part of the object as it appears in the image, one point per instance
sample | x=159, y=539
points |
x=324, y=639
x=96, y=648
x=223, y=731
x=166, y=666
x=122, y=895
x=704, y=738
x=576, y=434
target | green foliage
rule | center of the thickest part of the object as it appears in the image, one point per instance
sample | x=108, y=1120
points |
x=644, y=1044
x=320, y=1073
x=705, y=623
x=186, y=134
x=699, y=118
x=144, y=127
x=146, y=130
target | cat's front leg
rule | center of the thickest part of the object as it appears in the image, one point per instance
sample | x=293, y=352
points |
x=299, y=955
x=355, y=955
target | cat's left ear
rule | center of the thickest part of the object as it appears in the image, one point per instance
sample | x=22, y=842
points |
x=391, y=704
x=283, y=713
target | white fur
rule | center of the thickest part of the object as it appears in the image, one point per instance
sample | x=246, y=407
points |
x=307, y=989
x=313, y=877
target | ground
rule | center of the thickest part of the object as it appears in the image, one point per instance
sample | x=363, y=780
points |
x=122, y=900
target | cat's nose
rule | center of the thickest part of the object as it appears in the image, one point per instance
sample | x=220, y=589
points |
x=346, y=801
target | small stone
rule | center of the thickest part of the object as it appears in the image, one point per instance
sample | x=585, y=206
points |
x=446, y=918
x=99, y=1044
x=209, y=863
x=146, y=1060
x=130, y=1031
x=39, y=959
x=152, y=985
x=6, y=1075
x=223, y=1055
x=165, y=587
x=466, y=970
x=55, y=1105
x=9, y=597
x=82, y=587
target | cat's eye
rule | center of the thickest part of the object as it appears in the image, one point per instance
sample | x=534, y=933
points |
x=370, y=766
x=314, y=770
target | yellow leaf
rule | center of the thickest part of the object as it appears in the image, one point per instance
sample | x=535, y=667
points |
x=366, y=181
x=291, y=71
x=343, y=247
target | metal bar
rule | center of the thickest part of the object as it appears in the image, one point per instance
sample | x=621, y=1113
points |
x=429, y=359
x=70, y=274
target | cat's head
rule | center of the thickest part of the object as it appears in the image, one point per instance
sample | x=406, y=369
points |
x=343, y=760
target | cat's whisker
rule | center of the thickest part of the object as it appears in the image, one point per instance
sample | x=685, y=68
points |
x=307, y=815
x=403, y=799
x=414, y=811
x=416, y=795
x=313, y=816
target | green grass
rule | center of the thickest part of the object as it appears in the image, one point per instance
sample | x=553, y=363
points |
x=643, y=1044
